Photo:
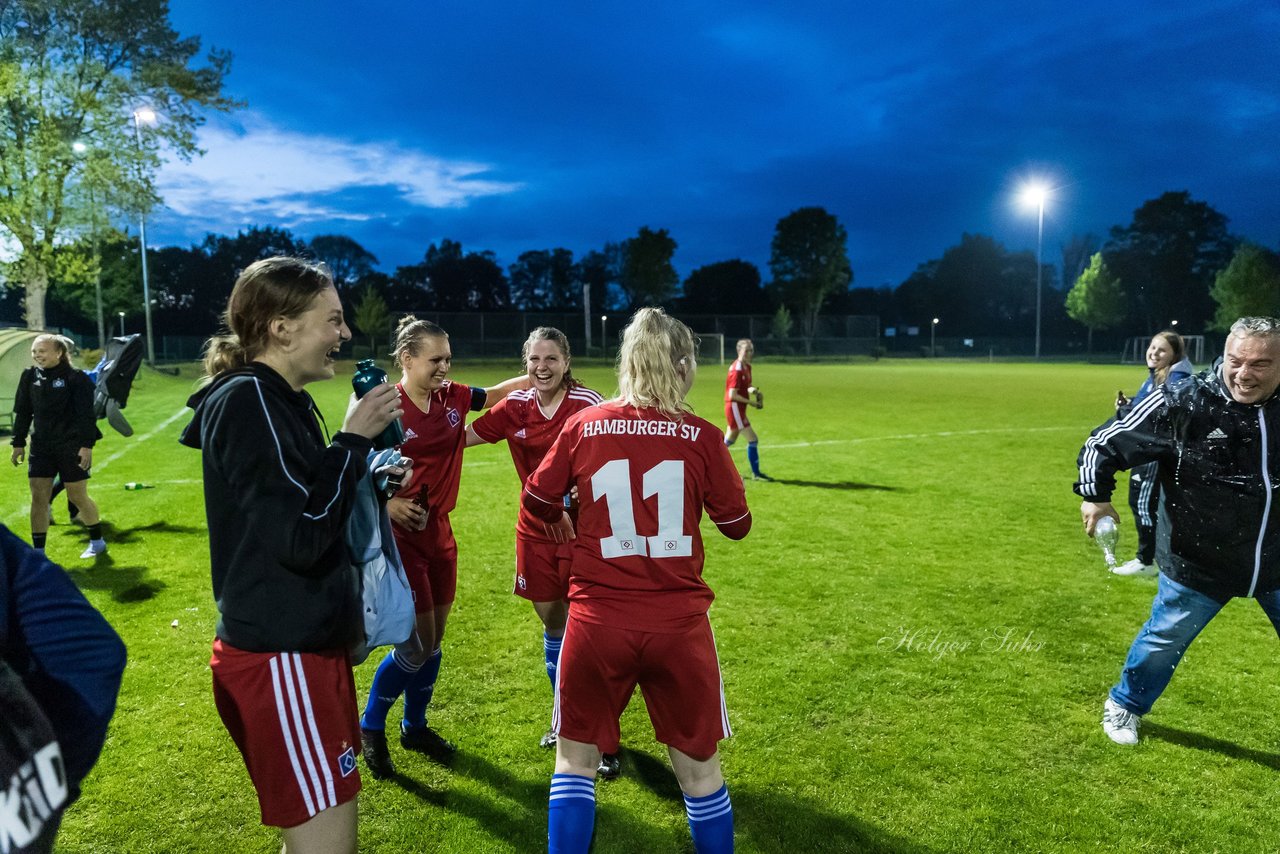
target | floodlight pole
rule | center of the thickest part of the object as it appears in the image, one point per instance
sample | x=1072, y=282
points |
x=586, y=314
x=604, y=339
x=142, y=234
x=1039, y=270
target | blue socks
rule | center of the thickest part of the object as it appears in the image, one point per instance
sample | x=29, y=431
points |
x=571, y=814
x=551, y=648
x=389, y=682
x=710, y=821
x=753, y=456
x=419, y=690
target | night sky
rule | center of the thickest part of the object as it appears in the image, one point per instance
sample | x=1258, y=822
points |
x=516, y=126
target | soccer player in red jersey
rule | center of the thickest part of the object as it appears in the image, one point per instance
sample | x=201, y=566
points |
x=434, y=420
x=529, y=421
x=739, y=393
x=645, y=469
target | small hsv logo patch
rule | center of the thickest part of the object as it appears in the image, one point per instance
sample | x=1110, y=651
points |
x=453, y=417
x=59, y=383
x=347, y=761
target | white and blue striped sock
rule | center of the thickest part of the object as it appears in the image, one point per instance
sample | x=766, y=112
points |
x=711, y=822
x=571, y=814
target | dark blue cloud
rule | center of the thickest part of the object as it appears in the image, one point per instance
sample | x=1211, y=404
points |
x=913, y=122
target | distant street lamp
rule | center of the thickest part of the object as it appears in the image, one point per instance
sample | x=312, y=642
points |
x=1034, y=195
x=932, y=328
x=604, y=341
x=121, y=323
x=148, y=116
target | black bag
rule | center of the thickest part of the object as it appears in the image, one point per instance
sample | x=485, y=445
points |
x=116, y=370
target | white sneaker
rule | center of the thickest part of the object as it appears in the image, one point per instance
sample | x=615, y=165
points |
x=96, y=547
x=1120, y=724
x=1135, y=567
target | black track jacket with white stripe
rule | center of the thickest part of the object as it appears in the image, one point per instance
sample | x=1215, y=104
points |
x=1219, y=469
x=277, y=501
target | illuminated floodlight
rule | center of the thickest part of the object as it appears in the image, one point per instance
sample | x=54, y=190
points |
x=1034, y=195
x=144, y=115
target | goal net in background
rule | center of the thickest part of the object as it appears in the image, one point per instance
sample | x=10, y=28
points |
x=710, y=346
x=1135, y=349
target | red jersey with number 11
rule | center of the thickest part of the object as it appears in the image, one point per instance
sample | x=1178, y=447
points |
x=643, y=481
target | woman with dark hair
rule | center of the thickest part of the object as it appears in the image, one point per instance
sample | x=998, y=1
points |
x=57, y=401
x=645, y=468
x=1167, y=363
x=435, y=415
x=277, y=497
x=529, y=422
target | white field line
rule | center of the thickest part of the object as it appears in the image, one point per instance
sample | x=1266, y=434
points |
x=903, y=437
x=25, y=509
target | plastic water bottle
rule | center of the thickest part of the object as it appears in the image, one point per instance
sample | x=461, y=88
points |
x=1106, y=535
x=368, y=376
x=132, y=485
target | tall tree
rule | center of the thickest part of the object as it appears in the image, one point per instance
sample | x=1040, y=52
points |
x=809, y=259
x=724, y=286
x=72, y=72
x=1167, y=258
x=1250, y=285
x=546, y=280
x=600, y=271
x=1097, y=299
x=346, y=259
x=453, y=281
x=372, y=317
x=648, y=276
x=1077, y=254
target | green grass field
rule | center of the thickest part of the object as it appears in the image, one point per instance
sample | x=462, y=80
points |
x=916, y=641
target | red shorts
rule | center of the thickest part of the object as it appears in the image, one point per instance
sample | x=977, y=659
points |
x=293, y=716
x=678, y=675
x=735, y=415
x=430, y=559
x=542, y=570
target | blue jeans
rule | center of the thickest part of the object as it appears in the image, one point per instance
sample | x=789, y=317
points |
x=1178, y=613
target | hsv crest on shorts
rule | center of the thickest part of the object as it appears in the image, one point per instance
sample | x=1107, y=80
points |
x=347, y=761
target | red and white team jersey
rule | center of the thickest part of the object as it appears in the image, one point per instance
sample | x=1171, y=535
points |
x=434, y=441
x=739, y=379
x=643, y=480
x=530, y=433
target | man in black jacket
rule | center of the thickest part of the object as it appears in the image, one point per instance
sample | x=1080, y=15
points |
x=1216, y=440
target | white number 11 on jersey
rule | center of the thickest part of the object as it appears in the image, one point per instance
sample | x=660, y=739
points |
x=612, y=482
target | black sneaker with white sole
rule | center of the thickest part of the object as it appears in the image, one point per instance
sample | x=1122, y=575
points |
x=610, y=766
